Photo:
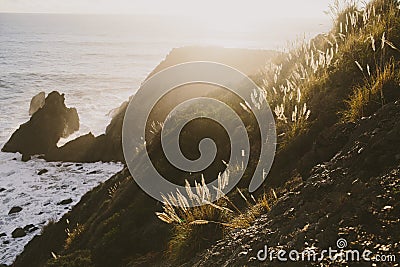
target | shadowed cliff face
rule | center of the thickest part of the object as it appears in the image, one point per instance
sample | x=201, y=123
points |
x=45, y=128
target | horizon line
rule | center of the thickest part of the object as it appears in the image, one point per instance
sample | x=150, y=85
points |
x=146, y=14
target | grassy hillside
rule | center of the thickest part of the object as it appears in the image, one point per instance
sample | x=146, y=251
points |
x=319, y=87
x=340, y=76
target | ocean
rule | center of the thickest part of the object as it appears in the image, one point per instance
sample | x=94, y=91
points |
x=97, y=61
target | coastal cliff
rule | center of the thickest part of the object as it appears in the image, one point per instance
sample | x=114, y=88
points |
x=335, y=175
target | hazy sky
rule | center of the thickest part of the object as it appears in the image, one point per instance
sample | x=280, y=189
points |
x=223, y=8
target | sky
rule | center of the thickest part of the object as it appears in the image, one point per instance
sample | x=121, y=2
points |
x=223, y=8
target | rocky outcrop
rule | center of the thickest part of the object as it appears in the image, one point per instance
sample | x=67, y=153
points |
x=29, y=228
x=15, y=209
x=42, y=171
x=52, y=121
x=65, y=201
x=76, y=150
x=343, y=194
x=45, y=128
x=88, y=148
x=18, y=232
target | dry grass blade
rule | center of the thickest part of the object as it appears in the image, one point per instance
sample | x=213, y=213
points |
x=274, y=194
x=391, y=45
x=164, y=217
x=359, y=66
x=241, y=194
x=199, y=222
x=217, y=207
x=54, y=255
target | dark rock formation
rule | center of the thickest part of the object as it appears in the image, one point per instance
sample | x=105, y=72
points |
x=14, y=210
x=30, y=228
x=53, y=121
x=75, y=150
x=65, y=201
x=45, y=128
x=18, y=232
x=88, y=148
x=43, y=171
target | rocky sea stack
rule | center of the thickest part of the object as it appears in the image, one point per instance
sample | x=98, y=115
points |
x=52, y=121
x=45, y=128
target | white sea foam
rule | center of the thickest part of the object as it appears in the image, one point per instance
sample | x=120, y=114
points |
x=39, y=195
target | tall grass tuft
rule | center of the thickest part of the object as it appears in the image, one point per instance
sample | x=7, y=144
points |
x=367, y=97
x=357, y=53
x=72, y=233
x=197, y=227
